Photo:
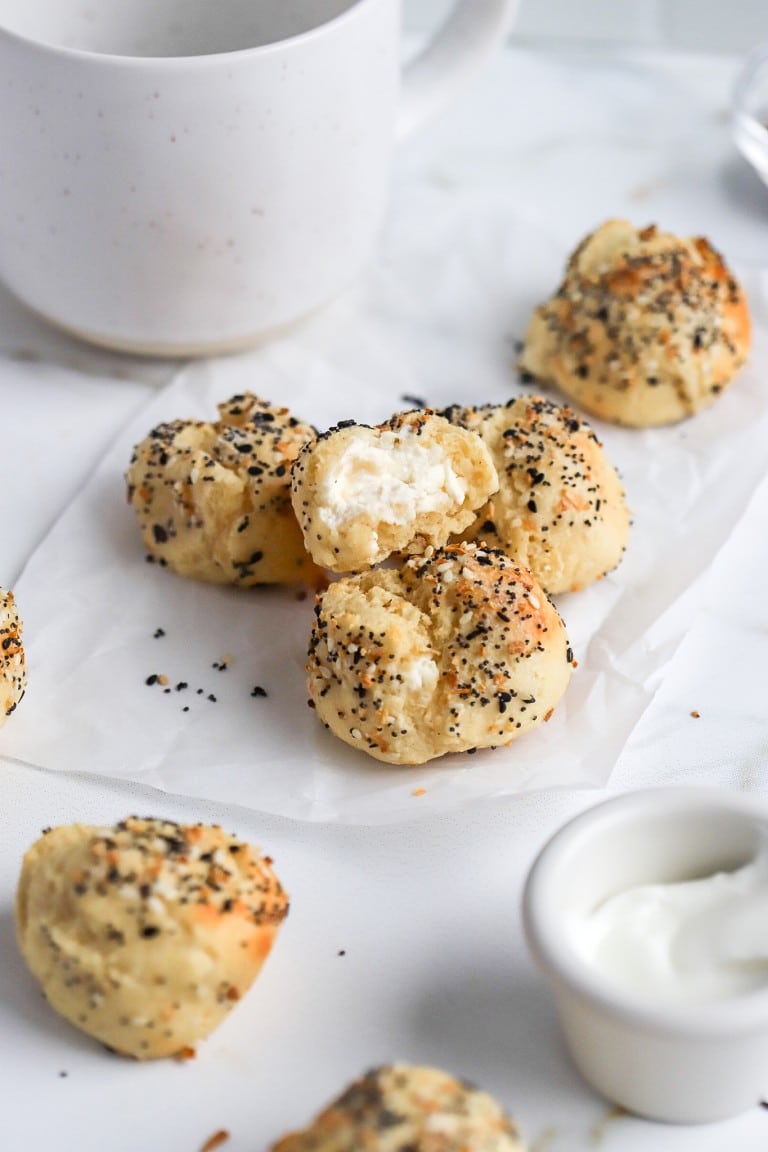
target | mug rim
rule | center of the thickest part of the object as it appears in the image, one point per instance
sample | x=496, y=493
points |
x=198, y=59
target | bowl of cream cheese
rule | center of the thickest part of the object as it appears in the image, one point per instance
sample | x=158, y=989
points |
x=648, y=916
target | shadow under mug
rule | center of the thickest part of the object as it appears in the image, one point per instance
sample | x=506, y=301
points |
x=180, y=177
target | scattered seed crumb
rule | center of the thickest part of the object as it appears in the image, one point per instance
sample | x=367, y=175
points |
x=181, y=686
x=185, y=708
x=341, y=952
x=544, y=1140
x=166, y=691
x=162, y=680
x=696, y=714
x=419, y=792
x=220, y=665
x=216, y=1140
x=158, y=633
x=414, y=401
x=150, y=680
x=599, y=1130
x=200, y=691
x=258, y=691
x=63, y=1075
x=764, y=1103
x=211, y=697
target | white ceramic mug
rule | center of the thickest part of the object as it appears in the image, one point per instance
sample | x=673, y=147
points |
x=181, y=176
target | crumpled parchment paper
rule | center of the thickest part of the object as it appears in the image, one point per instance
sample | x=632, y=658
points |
x=436, y=321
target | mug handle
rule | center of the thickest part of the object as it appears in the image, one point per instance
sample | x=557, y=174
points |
x=467, y=38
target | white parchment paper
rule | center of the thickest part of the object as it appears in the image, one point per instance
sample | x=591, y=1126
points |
x=436, y=320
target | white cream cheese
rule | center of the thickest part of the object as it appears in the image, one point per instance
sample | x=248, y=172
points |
x=390, y=478
x=703, y=939
x=420, y=673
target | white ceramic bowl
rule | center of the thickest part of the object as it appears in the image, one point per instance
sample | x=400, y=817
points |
x=684, y=1062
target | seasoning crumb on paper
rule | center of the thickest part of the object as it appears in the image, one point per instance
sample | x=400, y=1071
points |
x=544, y=1140
x=598, y=1131
x=696, y=714
x=215, y=1141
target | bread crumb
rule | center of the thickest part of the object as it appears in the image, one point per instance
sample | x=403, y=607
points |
x=215, y=1141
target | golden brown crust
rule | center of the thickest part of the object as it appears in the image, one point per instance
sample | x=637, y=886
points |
x=13, y=668
x=146, y=934
x=645, y=329
x=459, y=649
x=560, y=509
x=406, y=1108
x=361, y=494
x=214, y=499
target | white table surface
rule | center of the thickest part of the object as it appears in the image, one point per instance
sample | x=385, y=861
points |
x=403, y=942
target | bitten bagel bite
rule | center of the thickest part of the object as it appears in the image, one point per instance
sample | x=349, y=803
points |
x=145, y=935
x=560, y=508
x=402, y=1107
x=13, y=669
x=645, y=329
x=459, y=649
x=214, y=500
x=362, y=493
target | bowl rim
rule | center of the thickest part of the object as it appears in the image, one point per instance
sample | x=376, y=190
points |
x=739, y=1014
x=753, y=62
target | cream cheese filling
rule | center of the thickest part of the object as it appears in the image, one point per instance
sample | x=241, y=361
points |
x=389, y=478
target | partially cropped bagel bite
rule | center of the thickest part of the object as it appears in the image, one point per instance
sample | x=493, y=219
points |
x=361, y=494
x=145, y=935
x=458, y=649
x=645, y=329
x=13, y=668
x=214, y=499
x=560, y=509
x=408, y=1108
